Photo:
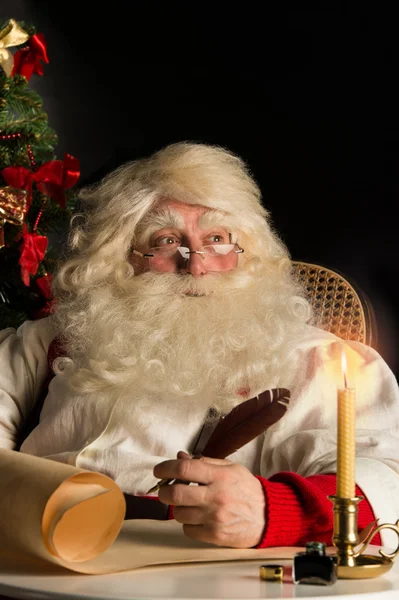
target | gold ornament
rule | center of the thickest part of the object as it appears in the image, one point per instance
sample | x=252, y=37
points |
x=13, y=208
x=11, y=35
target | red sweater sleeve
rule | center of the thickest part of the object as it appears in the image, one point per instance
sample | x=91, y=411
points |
x=298, y=510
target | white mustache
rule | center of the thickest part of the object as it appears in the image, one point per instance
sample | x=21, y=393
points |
x=184, y=284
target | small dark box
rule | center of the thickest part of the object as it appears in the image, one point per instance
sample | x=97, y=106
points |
x=314, y=566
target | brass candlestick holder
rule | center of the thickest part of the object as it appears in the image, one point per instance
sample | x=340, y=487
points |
x=351, y=562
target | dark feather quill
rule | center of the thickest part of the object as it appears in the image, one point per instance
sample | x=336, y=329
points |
x=242, y=424
x=246, y=421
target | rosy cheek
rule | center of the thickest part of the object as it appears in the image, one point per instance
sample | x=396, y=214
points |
x=167, y=269
x=162, y=267
x=232, y=261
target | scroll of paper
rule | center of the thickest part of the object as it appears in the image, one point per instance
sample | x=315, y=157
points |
x=73, y=518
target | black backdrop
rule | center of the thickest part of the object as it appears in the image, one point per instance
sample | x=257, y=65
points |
x=307, y=97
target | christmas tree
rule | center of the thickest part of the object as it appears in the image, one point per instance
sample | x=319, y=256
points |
x=36, y=189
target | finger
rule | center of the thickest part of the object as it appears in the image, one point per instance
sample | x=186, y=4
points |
x=184, y=495
x=196, y=471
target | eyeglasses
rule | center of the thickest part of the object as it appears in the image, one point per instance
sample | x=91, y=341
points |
x=216, y=257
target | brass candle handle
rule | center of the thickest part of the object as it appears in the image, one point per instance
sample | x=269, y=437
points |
x=351, y=563
x=373, y=532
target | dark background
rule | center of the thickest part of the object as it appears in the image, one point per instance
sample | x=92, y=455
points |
x=306, y=96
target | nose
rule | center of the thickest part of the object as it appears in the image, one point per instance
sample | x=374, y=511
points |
x=194, y=265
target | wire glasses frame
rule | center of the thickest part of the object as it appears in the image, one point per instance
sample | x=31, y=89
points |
x=208, y=252
x=210, y=249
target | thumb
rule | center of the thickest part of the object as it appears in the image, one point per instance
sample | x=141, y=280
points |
x=216, y=461
x=205, y=459
x=182, y=454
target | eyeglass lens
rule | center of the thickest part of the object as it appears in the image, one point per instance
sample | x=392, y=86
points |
x=214, y=258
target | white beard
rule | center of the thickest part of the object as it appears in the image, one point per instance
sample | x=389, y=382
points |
x=214, y=340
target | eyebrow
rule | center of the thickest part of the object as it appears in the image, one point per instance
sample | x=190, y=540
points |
x=216, y=218
x=169, y=217
x=165, y=217
x=159, y=219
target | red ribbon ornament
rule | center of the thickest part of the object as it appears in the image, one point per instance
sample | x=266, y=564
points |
x=28, y=60
x=52, y=178
x=55, y=176
x=33, y=249
x=44, y=285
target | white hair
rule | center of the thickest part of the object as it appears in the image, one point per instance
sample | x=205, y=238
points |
x=120, y=329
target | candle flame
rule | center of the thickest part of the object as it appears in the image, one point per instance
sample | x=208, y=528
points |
x=344, y=366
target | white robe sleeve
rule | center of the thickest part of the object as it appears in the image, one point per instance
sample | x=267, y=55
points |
x=23, y=370
x=306, y=441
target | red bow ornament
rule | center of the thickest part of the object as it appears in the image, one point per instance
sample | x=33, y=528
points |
x=51, y=179
x=33, y=249
x=28, y=60
x=44, y=285
x=55, y=176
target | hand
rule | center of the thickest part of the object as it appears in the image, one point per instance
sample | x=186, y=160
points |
x=226, y=509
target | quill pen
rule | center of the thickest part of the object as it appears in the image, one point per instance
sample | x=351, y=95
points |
x=241, y=425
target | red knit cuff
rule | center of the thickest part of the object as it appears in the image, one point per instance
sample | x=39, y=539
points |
x=298, y=510
x=283, y=514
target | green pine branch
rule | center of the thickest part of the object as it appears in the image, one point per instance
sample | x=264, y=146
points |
x=20, y=98
x=22, y=113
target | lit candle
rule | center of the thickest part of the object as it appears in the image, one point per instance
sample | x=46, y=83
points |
x=346, y=445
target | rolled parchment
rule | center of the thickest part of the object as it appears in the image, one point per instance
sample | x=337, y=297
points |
x=53, y=513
